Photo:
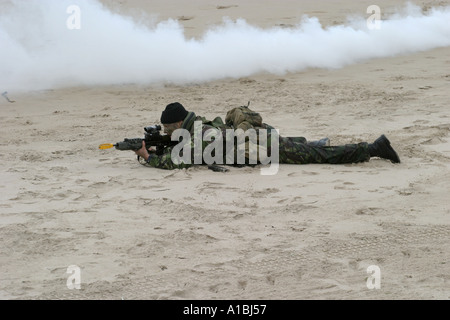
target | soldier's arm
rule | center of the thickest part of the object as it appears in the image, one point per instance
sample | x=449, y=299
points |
x=163, y=161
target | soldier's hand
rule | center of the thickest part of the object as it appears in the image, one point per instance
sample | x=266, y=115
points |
x=143, y=152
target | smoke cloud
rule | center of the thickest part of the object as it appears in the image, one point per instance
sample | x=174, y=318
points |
x=39, y=49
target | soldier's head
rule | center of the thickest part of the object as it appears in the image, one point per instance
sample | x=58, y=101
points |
x=172, y=117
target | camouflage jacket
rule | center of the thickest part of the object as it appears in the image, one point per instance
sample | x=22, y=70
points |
x=198, y=146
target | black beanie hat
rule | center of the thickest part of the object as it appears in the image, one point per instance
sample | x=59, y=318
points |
x=174, y=112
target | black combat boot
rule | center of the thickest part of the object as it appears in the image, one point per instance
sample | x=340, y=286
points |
x=382, y=148
x=325, y=142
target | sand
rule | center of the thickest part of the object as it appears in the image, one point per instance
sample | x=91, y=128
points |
x=308, y=232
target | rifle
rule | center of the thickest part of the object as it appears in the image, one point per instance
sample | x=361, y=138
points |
x=152, y=138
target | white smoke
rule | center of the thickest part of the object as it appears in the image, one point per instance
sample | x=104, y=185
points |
x=39, y=51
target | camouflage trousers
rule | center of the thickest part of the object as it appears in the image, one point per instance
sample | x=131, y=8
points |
x=295, y=150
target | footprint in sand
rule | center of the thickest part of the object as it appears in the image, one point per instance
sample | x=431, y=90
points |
x=185, y=18
x=369, y=211
x=303, y=173
x=227, y=7
x=264, y=193
x=210, y=185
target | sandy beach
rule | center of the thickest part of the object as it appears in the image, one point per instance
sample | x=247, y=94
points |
x=308, y=232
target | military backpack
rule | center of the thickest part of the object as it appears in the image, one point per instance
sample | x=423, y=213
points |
x=243, y=118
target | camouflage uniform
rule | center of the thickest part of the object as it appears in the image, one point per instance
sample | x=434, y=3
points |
x=292, y=150
x=296, y=151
